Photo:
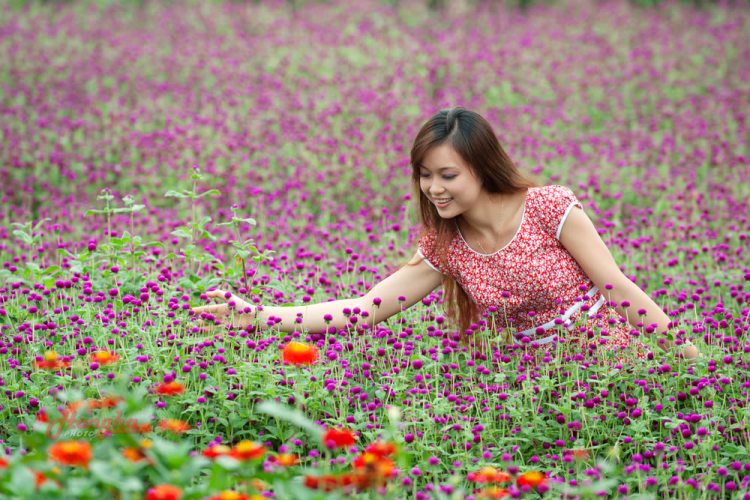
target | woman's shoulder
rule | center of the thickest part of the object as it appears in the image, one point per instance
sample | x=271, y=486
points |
x=545, y=197
x=551, y=192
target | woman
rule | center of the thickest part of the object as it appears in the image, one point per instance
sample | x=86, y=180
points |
x=494, y=238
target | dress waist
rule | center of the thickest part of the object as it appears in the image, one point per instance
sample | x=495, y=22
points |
x=566, y=317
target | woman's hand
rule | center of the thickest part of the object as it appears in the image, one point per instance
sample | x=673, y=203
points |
x=222, y=312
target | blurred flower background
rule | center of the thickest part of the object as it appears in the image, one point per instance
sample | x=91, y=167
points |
x=153, y=151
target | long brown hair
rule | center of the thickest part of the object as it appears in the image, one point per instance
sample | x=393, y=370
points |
x=472, y=137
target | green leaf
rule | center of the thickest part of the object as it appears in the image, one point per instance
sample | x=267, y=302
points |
x=52, y=270
x=200, y=225
x=292, y=416
x=22, y=482
x=208, y=236
x=104, y=473
x=276, y=285
x=212, y=191
x=174, y=194
x=92, y=212
x=181, y=232
x=23, y=237
x=36, y=227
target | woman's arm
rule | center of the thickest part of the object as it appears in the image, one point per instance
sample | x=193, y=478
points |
x=580, y=237
x=411, y=282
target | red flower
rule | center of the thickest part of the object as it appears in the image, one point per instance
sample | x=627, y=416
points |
x=382, y=449
x=494, y=493
x=488, y=475
x=104, y=358
x=286, y=459
x=338, y=438
x=216, y=451
x=170, y=389
x=164, y=492
x=298, y=353
x=176, y=426
x=247, y=450
x=51, y=361
x=106, y=402
x=331, y=482
x=533, y=479
x=71, y=453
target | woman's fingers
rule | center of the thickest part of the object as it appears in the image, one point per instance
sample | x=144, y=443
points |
x=211, y=309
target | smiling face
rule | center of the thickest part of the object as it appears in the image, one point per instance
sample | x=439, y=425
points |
x=443, y=175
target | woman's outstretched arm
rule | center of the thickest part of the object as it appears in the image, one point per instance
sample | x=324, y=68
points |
x=580, y=238
x=411, y=282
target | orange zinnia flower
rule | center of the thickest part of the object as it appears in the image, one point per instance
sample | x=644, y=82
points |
x=73, y=407
x=71, y=453
x=258, y=485
x=247, y=450
x=230, y=495
x=137, y=454
x=382, y=449
x=331, y=482
x=51, y=361
x=375, y=467
x=494, y=493
x=298, y=353
x=145, y=427
x=488, y=475
x=105, y=402
x=3, y=463
x=216, y=450
x=164, y=492
x=533, y=479
x=337, y=438
x=40, y=478
x=580, y=454
x=176, y=426
x=286, y=459
x=170, y=389
x=104, y=357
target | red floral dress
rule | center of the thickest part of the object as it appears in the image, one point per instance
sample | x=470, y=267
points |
x=543, y=282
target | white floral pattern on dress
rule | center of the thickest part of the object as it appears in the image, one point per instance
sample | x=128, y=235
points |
x=536, y=270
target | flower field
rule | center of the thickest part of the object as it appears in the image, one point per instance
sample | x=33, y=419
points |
x=155, y=151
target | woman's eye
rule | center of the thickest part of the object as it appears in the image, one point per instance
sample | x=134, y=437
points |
x=444, y=177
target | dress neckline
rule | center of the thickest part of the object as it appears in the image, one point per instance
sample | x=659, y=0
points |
x=523, y=219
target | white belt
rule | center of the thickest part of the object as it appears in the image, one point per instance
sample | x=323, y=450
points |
x=565, y=317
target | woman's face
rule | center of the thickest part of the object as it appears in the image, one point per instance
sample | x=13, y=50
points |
x=444, y=175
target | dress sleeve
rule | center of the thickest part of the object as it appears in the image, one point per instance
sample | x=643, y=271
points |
x=426, y=245
x=554, y=206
